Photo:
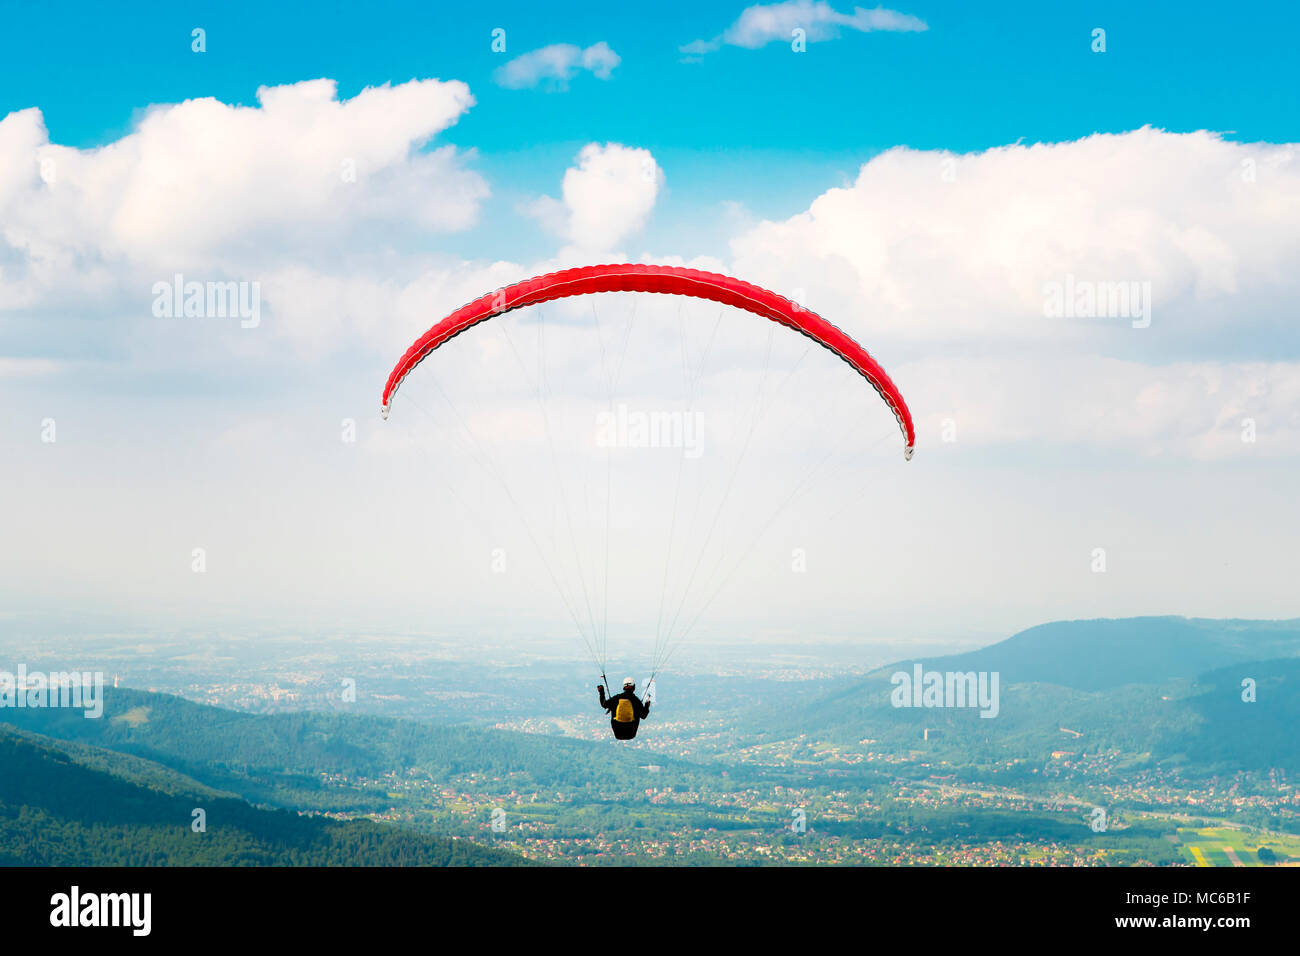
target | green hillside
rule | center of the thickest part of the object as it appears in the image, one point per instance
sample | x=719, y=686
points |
x=1220, y=732
x=70, y=806
x=280, y=758
x=1105, y=654
x=1088, y=686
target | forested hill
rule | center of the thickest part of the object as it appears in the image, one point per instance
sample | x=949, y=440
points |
x=1108, y=653
x=1168, y=689
x=64, y=805
x=281, y=758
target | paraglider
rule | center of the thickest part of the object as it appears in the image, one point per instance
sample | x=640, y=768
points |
x=626, y=709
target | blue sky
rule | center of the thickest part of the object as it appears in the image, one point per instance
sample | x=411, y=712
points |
x=822, y=174
x=982, y=75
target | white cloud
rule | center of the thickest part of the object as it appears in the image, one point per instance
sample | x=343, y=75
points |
x=955, y=251
x=203, y=183
x=939, y=262
x=303, y=195
x=1205, y=410
x=762, y=24
x=607, y=197
x=557, y=64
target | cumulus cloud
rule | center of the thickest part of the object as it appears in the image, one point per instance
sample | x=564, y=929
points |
x=960, y=250
x=202, y=182
x=556, y=65
x=301, y=195
x=606, y=197
x=762, y=24
x=946, y=265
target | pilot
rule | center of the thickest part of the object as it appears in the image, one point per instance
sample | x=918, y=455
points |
x=625, y=710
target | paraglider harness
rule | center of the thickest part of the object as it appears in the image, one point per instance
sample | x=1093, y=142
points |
x=626, y=711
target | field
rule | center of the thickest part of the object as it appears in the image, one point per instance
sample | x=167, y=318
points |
x=1231, y=846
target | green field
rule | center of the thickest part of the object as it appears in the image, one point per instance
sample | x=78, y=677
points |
x=1230, y=846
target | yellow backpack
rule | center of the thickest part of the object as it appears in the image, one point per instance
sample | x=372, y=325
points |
x=623, y=712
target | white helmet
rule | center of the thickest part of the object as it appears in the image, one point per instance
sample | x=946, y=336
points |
x=629, y=682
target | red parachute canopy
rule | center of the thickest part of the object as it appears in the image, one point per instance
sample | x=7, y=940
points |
x=671, y=280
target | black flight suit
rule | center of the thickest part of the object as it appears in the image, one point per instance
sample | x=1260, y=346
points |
x=624, y=729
